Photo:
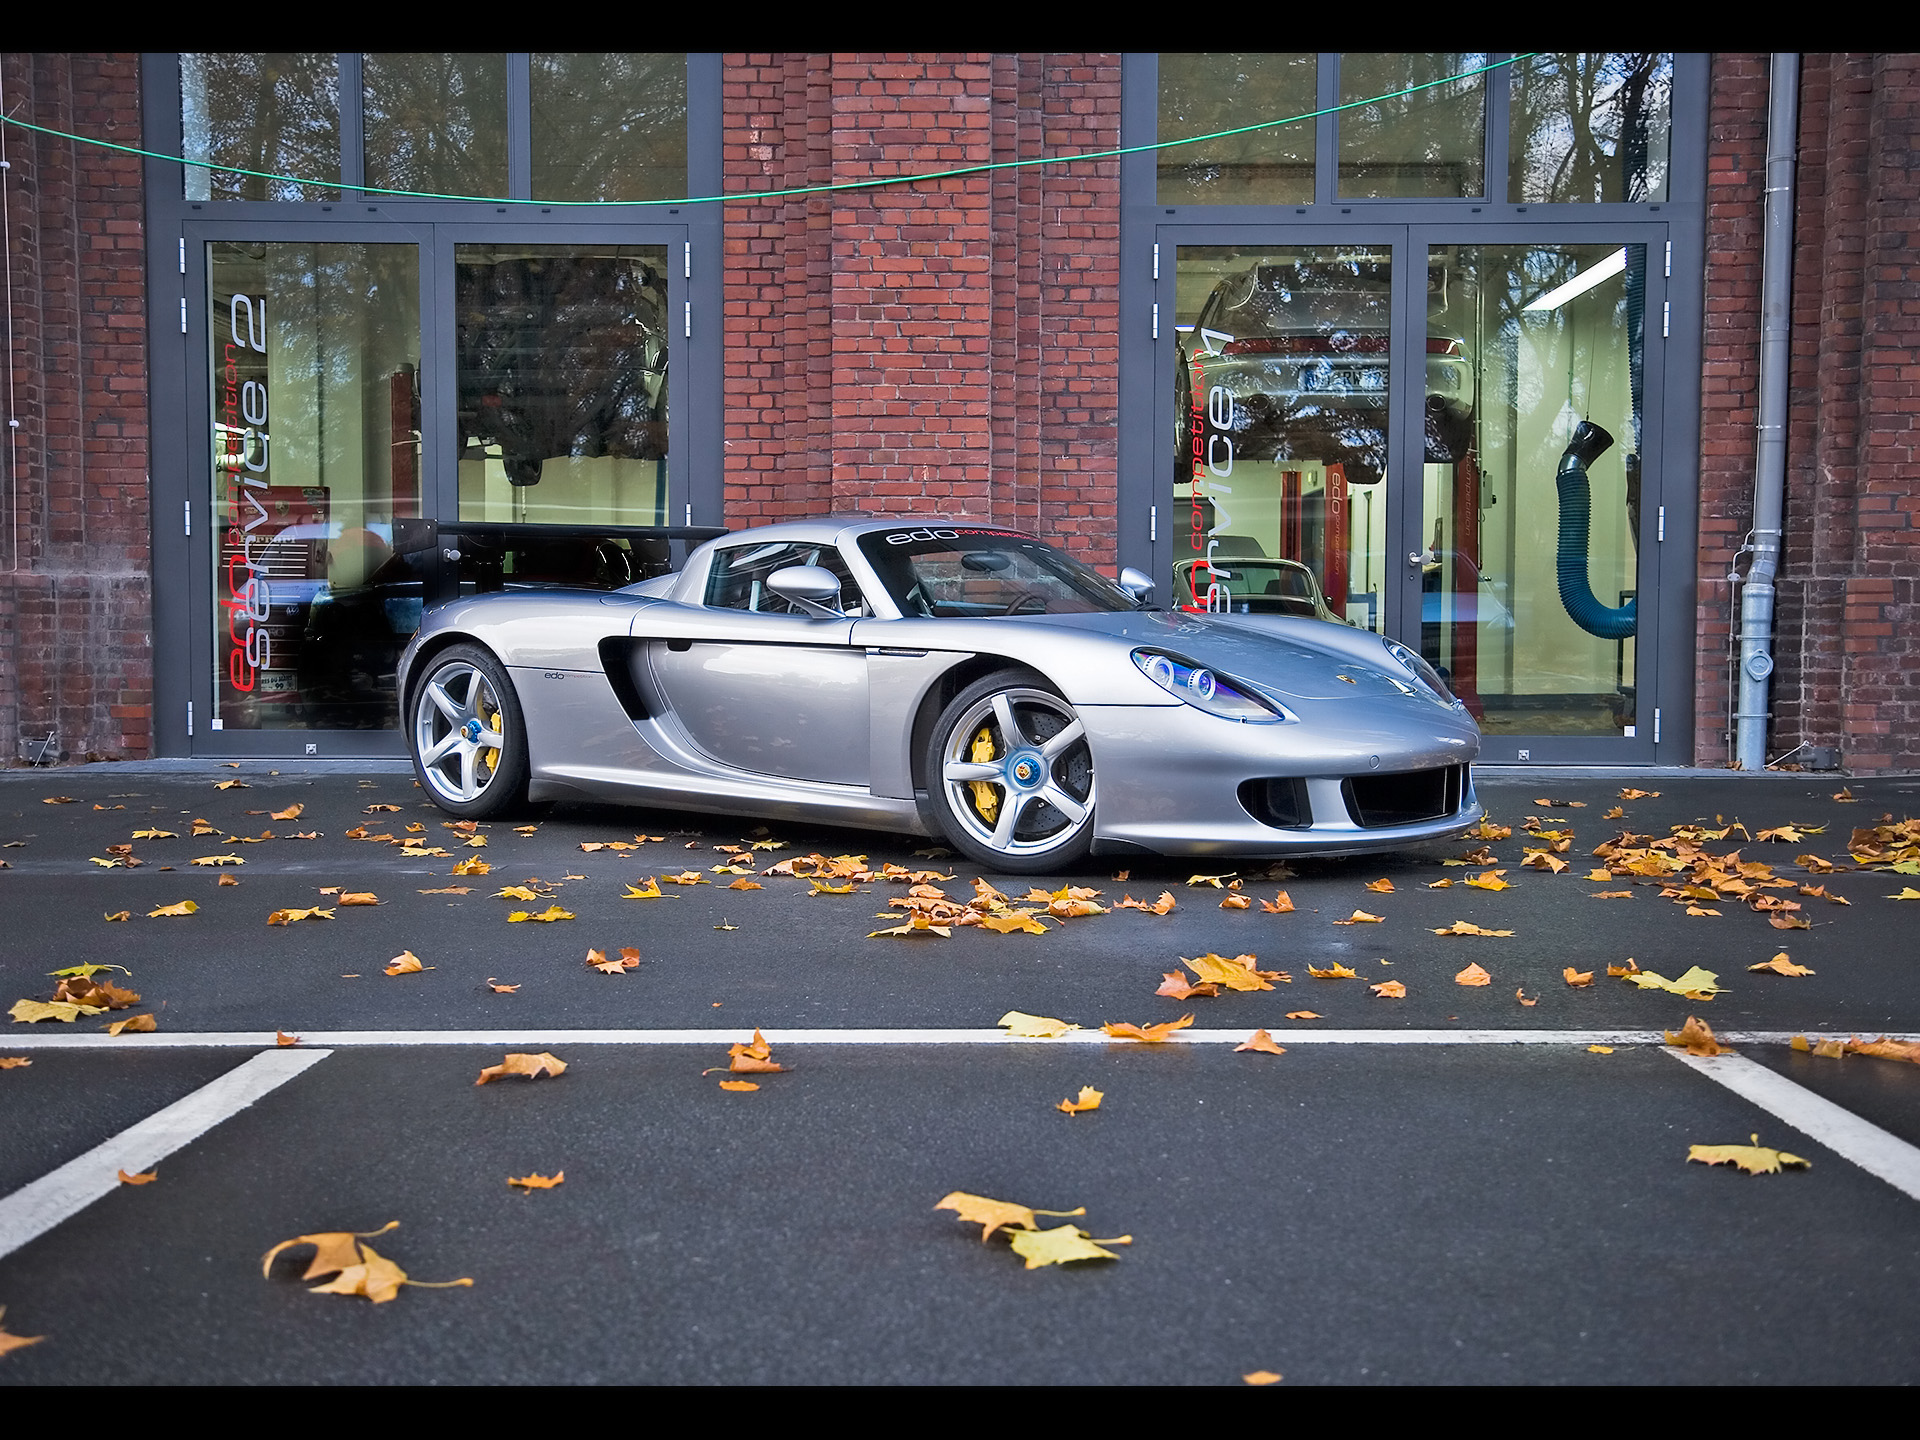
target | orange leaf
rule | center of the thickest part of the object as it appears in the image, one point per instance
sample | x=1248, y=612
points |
x=1361, y=917
x=120, y=915
x=1011, y=921
x=738, y=1085
x=1696, y=1038
x=1158, y=907
x=147, y=1178
x=1236, y=902
x=1262, y=1377
x=1473, y=975
x=13, y=1062
x=288, y=917
x=405, y=963
x=746, y=885
x=1088, y=1099
x=1781, y=965
x=1147, y=1034
x=1461, y=927
x=284, y=1040
x=497, y=988
x=531, y=1066
x=1521, y=996
x=1303, y=1015
x=1383, y=885
x=1279, y=905
x=292, y=812
x=1261, y=1041
x=1178, y=987
x=628, y=959
x=134, y=1025
x=1579, y=979
x=1389, y=990
x=360, y=897
x=1335, y=971
x=537, y=1182
x=1789, y=922
x=184, y=907
x=1439, y=884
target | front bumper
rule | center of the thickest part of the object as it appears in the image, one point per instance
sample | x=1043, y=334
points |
x=1169, y=781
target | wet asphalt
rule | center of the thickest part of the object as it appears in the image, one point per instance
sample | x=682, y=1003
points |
x=1341, y=1214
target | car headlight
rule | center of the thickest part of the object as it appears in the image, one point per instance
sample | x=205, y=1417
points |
x=1416, y=665
x=1205, y=690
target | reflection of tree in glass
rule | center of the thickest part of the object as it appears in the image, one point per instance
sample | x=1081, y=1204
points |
x=275, y=111
x=609, y=126
x=1427, y=142
x=437, y=122
x=1590, y=128
x=1204, y=93
x=561, y=355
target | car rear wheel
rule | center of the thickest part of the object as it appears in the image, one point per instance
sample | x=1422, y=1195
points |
x=1010, y=776
x=469, y=745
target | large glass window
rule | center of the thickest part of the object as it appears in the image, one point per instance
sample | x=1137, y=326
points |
x=562, y=383
x=1532, y=485
x=1430, y=142
x=273, y=111
x=436, y=122
x=1590, y=128
x=1203, y=94
x=609, y=126
x=314, y=354
x=1280, y=428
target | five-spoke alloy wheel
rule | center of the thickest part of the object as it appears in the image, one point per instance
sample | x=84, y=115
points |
x=1010, y=776
x=469, y=746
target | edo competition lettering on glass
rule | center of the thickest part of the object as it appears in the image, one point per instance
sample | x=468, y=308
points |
x=241, y=456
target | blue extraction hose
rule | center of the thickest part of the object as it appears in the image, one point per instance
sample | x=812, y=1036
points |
x=1589, y=442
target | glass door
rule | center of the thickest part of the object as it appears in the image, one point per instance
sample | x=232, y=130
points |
x=1444, y=439
x=1534, y=552
x=1282, y=410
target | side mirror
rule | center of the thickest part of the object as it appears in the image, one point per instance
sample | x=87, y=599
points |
x=1136, y=583
x=813, y=588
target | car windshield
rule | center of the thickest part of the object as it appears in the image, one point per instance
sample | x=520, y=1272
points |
x=951, y=573
x=1246, y=587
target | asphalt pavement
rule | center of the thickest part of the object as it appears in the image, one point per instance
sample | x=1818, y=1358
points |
x=1398, y=1198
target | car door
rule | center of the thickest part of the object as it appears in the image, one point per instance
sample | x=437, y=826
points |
x=758, y=686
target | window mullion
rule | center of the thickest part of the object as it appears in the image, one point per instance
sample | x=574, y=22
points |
x=520, y=124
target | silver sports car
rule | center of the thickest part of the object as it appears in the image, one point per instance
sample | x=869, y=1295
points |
x=939, y=677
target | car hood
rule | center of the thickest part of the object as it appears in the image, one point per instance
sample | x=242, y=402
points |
x=1295, y=658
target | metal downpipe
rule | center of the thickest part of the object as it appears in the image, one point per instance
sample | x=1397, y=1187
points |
x=1770, y=460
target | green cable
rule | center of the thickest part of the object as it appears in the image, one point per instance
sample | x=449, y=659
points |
x=875, y=184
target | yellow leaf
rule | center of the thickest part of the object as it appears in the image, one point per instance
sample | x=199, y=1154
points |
x=405, y=963
x=1335, y=971
x=1361, y=917
x=1907, y=892
x=531, y=1066
x=538, y=1182
x=1639, y=794
x=1599, y=1049
x=473, y=865
x=1755, y=1159
x=155, y=835
x=914, y=925
x=1696, y=1038
x=104, y=864
x=1389, y=990
x=552, y=912
x=1262, y=1042
x=1488, y=880
x=218, y=860
x=118, y=914
x=1473, y=975
x=1600, y=876
x=360, y=897
x=236, y=785
x=824, y=887
x=1032, y=1027
x=1461, y=927
x=1383, y=885
x=649, y=889
x=738, y=1085
x=1303, y=1015
x=1147, y=1034
x=1235, y=974
x=59, y=800
x=1218, y=882
x=292, y=812
x=1060, y=1245
x=288, y=917
x=1012, y=921
x=134, y=1025
x=184, y=907
x=1616, y=813
x=1542, y=860
x=516, y=892
x=992, y=1215
x=1781, y=965
x=379, y=809
x=1439, y=884
x=1089, y=1099
x=1695, y=984
x=31, y=1012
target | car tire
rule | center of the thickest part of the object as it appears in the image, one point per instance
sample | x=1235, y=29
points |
x=1011, y=737
x=466, y=735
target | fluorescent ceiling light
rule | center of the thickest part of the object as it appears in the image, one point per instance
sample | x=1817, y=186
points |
x=1582, y=282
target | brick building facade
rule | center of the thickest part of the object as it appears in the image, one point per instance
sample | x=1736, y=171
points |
x=953, y=344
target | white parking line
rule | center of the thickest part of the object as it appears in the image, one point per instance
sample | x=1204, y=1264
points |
x=1841, y=1131
x=355, y=1039
x=36, y=1208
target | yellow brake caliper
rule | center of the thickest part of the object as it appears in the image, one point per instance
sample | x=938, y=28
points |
x=986, y=795
x=489, y=756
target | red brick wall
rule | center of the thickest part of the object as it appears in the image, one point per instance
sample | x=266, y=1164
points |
x=1847, y=641
x=948, y=345
x=76, y=654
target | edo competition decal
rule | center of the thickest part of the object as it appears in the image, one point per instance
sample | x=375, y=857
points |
x=1208, y=425
x=240, y=460
x=912, y=537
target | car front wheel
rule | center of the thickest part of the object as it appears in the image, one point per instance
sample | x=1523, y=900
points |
x=469, y=745
x=1010, y=776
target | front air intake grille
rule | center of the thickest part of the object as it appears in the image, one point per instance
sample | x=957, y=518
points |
x=1378, y=801
x=1281, y=803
